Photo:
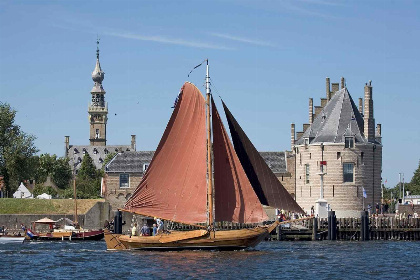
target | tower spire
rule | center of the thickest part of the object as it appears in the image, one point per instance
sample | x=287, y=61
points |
x=98, y=108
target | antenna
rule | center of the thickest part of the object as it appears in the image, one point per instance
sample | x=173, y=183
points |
x=207, y=78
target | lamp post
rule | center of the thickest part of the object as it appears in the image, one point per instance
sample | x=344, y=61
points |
x=321, y=207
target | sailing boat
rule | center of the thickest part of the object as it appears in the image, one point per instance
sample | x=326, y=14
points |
x=178, y=185
x=69, y=232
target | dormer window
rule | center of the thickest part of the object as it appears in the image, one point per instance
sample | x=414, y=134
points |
x=84, y=151
x=101, y=160
x=306, y=141
x=75, y=151
x=95, y=151
x=106, y=151
x=145, y=166
x=349, y=142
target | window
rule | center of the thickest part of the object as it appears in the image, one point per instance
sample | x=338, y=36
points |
x=349, y=142
x=307, y=173
x=124, y=179
x=306, y=140
x=348, y=172
x=145, y=166
x=97, y=134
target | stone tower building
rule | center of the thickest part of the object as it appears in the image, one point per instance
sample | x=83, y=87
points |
x=341, y=143
x=98, y=118
x=98, y=108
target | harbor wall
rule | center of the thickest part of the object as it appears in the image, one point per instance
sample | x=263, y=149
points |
x=94, y=218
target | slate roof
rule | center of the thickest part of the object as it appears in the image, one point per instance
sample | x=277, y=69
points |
x=133, y=161
x=129, y=162
x=275, y=160
x=339, y=118
x=97, y=153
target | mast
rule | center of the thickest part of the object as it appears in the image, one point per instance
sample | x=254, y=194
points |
x=209, y=149
x=75, y=200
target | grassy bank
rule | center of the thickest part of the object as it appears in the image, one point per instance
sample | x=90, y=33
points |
x=45, y=206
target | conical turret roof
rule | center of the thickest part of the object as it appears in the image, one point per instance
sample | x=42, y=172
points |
x=97, y=74
x=339, y=118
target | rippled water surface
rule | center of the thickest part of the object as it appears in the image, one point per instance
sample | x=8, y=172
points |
x=269, y=260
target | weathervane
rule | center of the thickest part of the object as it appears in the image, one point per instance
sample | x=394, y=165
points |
x=97, y=46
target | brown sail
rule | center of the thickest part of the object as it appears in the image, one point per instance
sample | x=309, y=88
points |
x=265, y=183
x=174, y=187
x=235, y=200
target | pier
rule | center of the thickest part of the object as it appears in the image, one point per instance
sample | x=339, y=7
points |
x=361, y=229
x=344, y=229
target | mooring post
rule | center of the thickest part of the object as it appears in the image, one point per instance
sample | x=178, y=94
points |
x=332, y=225
x=118, y=222
x=314, y=229
x=364, y=226
x=279, y=238
x=367, y=231
x=329, y=227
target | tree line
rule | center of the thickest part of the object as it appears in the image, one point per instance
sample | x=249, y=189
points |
x=19, y=162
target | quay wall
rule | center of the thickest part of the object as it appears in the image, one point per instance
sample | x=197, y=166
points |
x=94, y=218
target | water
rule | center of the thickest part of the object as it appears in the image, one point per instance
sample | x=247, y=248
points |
x=269, y=260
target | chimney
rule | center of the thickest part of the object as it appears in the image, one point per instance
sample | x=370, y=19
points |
x=361, y=106
x=379, y=133
x=327, y=88
x=133, y=142
x=67, y=145
x=379, y=130
x=334, y=88
x=342, y=83
x=292, y=130
x=311, y=110
x=369, y=121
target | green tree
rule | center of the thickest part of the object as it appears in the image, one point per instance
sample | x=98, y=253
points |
x=414, y=185
x=16, y=150
x=87, y=169
x=40, y=189
x=108, y=158
x=61, y=174
x=88, y=181
x=49, y=165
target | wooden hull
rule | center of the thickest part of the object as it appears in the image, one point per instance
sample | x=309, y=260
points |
x=190, y=240
x=73, y=236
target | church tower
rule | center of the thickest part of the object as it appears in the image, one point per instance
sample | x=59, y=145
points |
x=98, y=108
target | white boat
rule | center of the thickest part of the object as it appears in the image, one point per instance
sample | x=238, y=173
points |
x=11, y=239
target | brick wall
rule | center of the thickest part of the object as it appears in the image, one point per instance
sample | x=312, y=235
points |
x=117, y=196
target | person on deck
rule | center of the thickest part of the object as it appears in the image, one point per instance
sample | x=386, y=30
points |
x=159, y=223
x=145, y=230
x=154, y=229
x=134, y=230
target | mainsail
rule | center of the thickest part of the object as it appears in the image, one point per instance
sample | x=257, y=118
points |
x=235, y=200
x=265, y=183
x=174, y=187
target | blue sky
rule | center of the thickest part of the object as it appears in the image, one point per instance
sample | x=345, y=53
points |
x=266, y=59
